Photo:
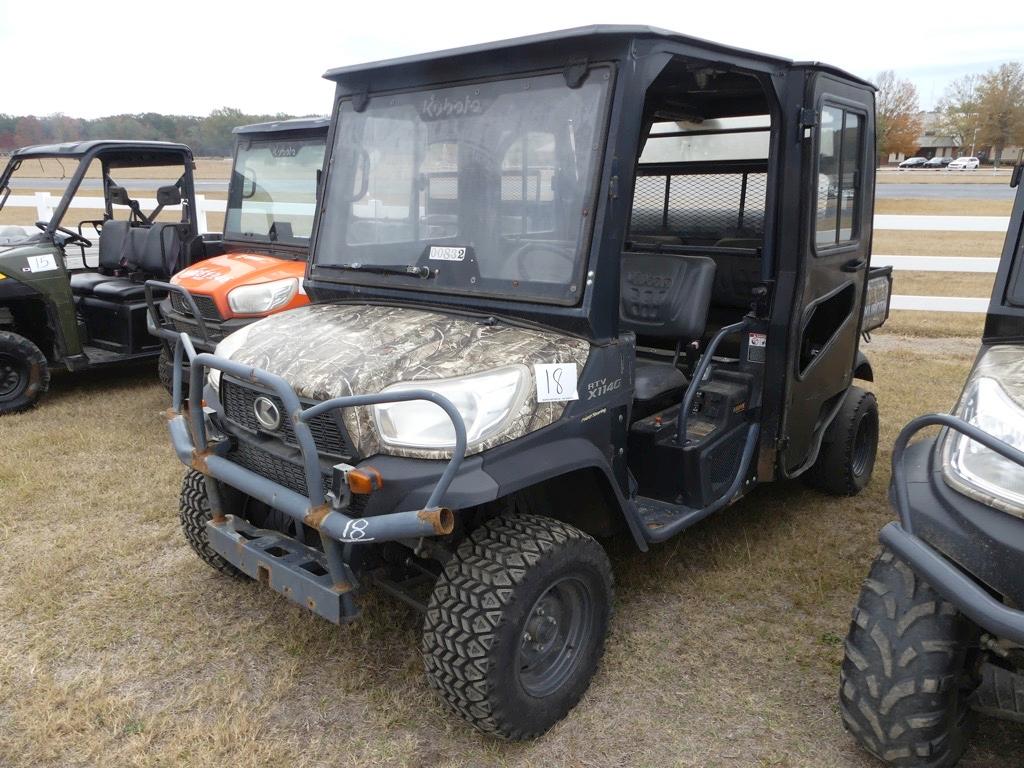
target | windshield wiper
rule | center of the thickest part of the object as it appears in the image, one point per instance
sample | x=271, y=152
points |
x=390, y=269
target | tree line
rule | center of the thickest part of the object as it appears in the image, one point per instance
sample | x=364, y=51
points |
x=982, y=113
x=209, y=136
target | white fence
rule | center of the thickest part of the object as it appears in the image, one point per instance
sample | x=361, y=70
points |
x=44, y=203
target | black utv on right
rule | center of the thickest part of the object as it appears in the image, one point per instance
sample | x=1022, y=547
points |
x=937, y=636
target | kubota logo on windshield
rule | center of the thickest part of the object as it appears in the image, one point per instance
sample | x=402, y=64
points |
x=436, y=108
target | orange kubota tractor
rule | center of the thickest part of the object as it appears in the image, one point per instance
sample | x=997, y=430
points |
x=267, y=224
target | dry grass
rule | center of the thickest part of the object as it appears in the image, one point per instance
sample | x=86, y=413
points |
x=942, y=207
x=942, y=284
x=897, y=242
x=121, y=648
x=967, y=326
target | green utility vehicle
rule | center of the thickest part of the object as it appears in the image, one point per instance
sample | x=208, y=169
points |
x=65, y=303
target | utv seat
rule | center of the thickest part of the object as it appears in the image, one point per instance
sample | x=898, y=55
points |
x=149, y=250
x=152, y=251
x=664, y=296
x=736, y=276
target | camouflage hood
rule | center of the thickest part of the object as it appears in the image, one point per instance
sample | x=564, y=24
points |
x=332, y=350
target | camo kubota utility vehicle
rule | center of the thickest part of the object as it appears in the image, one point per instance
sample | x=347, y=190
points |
x=61, y=303
x=938, y=632
x=578, y=285
x=257, y=268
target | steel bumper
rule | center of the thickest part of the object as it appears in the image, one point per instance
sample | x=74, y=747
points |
x=277, y=560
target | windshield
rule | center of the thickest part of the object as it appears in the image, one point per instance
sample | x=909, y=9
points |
x=272, y=195
x=484, y=188
x=30, y=192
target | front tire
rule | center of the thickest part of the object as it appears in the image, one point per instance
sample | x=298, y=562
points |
x=194, y=512
x=846, y=459
x=516, y=624
x=24, y=373
x=909, y=670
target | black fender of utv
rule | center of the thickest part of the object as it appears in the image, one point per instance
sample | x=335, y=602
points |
x=862, y=368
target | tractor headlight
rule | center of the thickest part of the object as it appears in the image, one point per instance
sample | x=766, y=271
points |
x=226, y=348
x=487, y=402
x=986, y=403
x=262, y=297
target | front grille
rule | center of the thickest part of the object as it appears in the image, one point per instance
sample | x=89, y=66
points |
x=328, y=432
x=266, y=464
x=206, y=305
x=214, y=331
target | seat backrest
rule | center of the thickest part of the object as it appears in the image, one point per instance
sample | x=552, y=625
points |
x=665, y=295
x=160, y=251
x=112, y=244
x=737, y=274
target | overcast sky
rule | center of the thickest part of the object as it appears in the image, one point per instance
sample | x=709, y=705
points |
x=87, y=58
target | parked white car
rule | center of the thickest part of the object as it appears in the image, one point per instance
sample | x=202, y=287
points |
x=964, y=164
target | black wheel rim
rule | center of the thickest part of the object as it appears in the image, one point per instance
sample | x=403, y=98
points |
x=864, y=444
x=13, y=376
x=555, y=636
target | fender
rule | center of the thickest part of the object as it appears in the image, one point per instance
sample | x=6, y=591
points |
x=862, y=368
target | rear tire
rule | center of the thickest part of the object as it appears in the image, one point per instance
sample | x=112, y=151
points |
x=24, y=373
x=848, y=450
x=194, y=512
x=516, y=624
x=909, y=670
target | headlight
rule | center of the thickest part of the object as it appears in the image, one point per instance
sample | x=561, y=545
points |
x=973, y=469
x=227, y=347
x=486, y=401
x=262, y=297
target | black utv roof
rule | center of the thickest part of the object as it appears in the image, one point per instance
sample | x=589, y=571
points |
x=570, y=41
x=82, y=148
x=280, y=126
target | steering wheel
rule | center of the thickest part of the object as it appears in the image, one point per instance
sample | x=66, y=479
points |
x=519, y=256
x=72, y=235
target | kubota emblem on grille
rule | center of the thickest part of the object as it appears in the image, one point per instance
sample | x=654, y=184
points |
x=267, y=413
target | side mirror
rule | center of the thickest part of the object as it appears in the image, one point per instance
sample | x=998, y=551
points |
x=118, y=195
x=169, y=195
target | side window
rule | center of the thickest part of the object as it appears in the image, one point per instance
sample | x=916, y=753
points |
x=839, y=190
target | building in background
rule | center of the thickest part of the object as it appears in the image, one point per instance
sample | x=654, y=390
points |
x=933, y=143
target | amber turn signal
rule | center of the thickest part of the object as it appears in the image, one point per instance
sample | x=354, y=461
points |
x=364, y=480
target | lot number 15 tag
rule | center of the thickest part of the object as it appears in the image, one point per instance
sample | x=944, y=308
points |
x=556, y=382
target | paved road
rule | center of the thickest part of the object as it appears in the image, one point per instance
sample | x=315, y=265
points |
x=947, y=191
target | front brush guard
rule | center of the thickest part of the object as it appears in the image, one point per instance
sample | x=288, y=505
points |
x=954, y=584
x=327, y=515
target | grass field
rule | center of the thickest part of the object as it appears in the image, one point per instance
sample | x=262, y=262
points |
x=119, y=647
x=122, y=648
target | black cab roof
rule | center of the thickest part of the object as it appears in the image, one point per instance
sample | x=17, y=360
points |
x=92, y=146
x=570, y=41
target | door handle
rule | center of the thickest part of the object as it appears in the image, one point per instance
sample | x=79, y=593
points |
x=854, y=265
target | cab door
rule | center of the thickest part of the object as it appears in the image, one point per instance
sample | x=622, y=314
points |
x=835, y=247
